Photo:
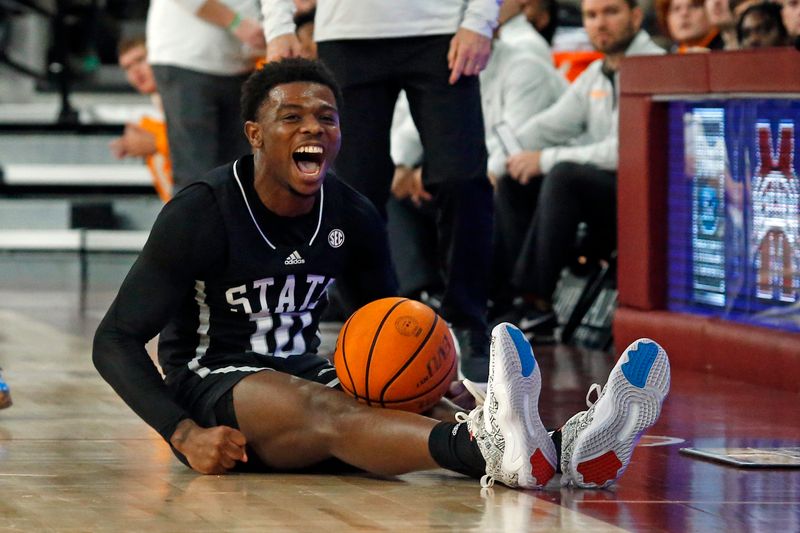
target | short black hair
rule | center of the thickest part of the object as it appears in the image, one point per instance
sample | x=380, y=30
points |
x=256, y=88
x=549, y=30
x=771, y=12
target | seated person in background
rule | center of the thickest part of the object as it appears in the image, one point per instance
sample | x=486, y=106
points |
x=148, y=138
x=519, y=23
x=761, y=26
x=686, y=24
x=516, y=84
x=791, y=17
x=543, y=16
x=567, y=171
x=719, y=15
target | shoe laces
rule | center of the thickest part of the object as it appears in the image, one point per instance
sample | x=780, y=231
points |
x=473, y=420
x=477, y=390
x=595, y=388
x=462, y=417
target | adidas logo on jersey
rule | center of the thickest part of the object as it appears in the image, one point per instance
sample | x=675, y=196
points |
x=294, y=259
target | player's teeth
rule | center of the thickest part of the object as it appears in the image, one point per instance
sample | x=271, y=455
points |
x=309, y=150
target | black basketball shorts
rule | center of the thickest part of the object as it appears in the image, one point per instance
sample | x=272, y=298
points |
x=207, y=393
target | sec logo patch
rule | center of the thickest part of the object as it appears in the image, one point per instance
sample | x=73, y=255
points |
x=336, y=238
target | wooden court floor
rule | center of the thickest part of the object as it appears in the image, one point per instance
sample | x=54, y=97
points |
x=73, y=457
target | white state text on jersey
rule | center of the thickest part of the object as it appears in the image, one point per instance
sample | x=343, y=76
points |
x=267, y=300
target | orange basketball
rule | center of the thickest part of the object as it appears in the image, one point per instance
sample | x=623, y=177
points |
x=395, y=353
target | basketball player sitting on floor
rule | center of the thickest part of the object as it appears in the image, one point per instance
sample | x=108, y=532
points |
x=234, y=277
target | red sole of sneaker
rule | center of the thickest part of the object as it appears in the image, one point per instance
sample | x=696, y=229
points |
x=542, y=470
x=600, y=470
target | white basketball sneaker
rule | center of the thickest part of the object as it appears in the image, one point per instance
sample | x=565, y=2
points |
x=512, y=439
x=596, y=445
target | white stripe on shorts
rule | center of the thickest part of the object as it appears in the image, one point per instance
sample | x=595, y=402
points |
x=229, y=369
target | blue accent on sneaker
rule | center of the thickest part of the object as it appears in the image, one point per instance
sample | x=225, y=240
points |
x=524, y=350
x=640, y=361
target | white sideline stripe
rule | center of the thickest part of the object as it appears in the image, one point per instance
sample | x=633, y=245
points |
x=61, y=174
x=40, y=239
x=73, y=240
x=28, y=475
x=114, y=240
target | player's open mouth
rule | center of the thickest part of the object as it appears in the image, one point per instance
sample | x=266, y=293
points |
x=309, y=159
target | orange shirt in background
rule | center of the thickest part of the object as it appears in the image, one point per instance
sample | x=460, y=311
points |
x=572, y=63
x=159, y=163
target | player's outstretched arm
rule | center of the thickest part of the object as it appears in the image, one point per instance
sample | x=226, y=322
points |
x=158, y=282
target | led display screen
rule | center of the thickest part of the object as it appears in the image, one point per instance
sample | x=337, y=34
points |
x=734, y=210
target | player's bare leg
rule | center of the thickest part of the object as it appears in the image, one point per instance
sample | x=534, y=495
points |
x=294, y=423
x=291, y=423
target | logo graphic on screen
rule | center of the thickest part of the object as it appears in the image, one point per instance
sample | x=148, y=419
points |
x=709, y=203
x=706, y=159
x=776, y=215
x=733, y=210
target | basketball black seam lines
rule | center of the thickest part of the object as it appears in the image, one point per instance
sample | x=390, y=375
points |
x=344, y=359
x=410, y=360
x=372, y=348
x=402, y=400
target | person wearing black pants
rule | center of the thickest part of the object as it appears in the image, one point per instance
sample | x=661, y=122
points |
x=570, y=194
x=204, y=124
x=413, y=243
x=515, y=205
x=450, y=122
x=201, y=51
x=434, y=51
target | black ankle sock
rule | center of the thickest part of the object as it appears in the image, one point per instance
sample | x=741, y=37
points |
x=556, y=436
x=453, y=448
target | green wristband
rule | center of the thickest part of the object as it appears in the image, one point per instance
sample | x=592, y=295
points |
x=235, y=22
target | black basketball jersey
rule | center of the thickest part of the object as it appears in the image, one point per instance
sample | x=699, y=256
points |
x=222, y=275
x=270, y=294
